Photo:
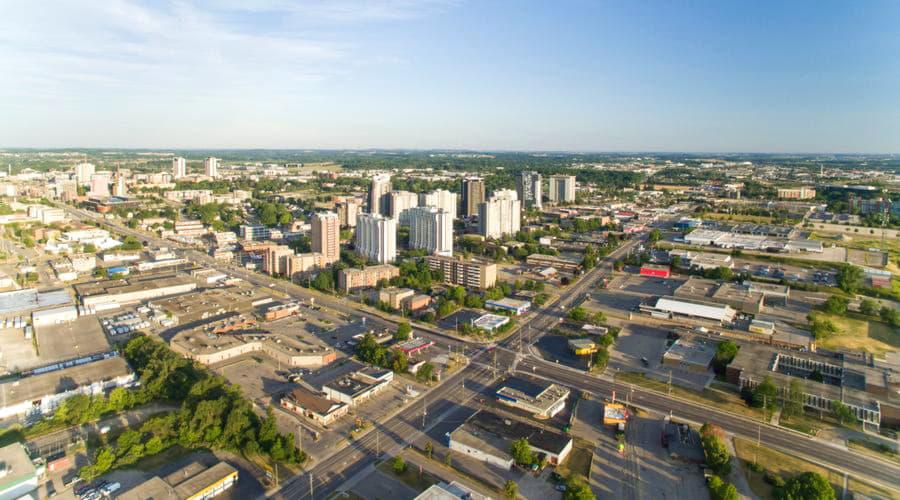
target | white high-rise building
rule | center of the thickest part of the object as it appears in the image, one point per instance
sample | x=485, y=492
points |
x=562, y=188
x=376, y=237
x=528, y=187
x=501, y=215
x=99, y=185
x=378, y=194
x=401, y=201
x=440, y=198
x=179, y=168
x=211, y=165
x=326, y=236
x=431, y=228
x=83, y=173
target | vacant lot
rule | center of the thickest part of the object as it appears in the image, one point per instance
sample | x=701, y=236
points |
x=854, y=333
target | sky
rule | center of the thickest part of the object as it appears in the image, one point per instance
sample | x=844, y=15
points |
x=569, y=75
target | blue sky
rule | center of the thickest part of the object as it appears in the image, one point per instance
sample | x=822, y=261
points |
x=691, y=76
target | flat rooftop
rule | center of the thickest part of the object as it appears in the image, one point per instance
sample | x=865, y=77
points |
x=692, y=351
x=195, y=304
x=240, y=329
x=20, y=302
x=541, y=396
x=37, y=386
x=19, y=466
x=63, y=341
x=131, y=284
x=508, y=429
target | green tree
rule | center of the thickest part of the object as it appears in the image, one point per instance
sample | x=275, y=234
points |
x=714, y=449
x=457, y=294
x=403, y=331
x=399, y=465
x=89, y=248
x=868, y=307
x=842, y=413
x=429, y=449
x=578, y=313
x=890, y=316
x=598, y=318
x=765, y=393
x=510, y=489
x=448, y=458
x=725, y=353
x=324, y=281
x=807, y=486
x=400, y=362
x=836, y=305
x=722, y=273
x=850, y=278
x=720, y=490
x=577, y=489
x=425, y=372
x=793, y=404
x=654, y=236
x=521, y=452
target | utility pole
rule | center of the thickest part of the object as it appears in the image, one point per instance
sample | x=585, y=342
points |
x=377, y=444
x=424, y=412
x=670, y=383
x=310, y=485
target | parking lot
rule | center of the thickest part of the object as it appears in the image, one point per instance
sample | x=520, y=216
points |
x=555, y=348
x=645, y=285
x=637, y=343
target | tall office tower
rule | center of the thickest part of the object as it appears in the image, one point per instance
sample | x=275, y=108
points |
x=347, y=212
x=212, y=167
x=83, y=173
x=431, y=228
x=376, y=238
x=401, y=202
x=179, y=168
x=472, y=195
x=501, y=215
x=378, y=194
x=119, y=187
x=562, y=188
x=99, y=186
x=528, y=187
x=440, y=198
x=326, y=236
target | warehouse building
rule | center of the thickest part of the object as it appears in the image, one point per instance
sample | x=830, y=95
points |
x=19, y=479
x=691, y=308
x=487, y=436
x=541, y=400
x=132, y=290
x=42, y=392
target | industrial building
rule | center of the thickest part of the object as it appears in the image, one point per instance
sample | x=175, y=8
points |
x=669, y=306
x=487, y=436
x=19, y=479
x=41, y=392
x=194, y=482
x=132, y=290
x=541, y=400
x=867, y=386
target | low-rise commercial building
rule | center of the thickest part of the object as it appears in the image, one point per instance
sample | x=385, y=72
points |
x=656, y=271
x=517, y=307
x=487, y=436
x=690, y=353
x=559, y=263
x=194, y=482
x=359, y=386
x=691, y=308
x=395, y=297
x=541, y=400
x=490, y=322
x=19, y=479
x=314, y=406
x=582, y=347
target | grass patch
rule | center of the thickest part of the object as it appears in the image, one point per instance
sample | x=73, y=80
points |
x=787, y=466
x=410, y=477
x=579, y=460
x=854, y=332
x=801, y=424
x=876, y=450
x=758, y=219
x=151, y=462
x=723, y=400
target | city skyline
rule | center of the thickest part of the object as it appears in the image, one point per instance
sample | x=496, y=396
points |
x=585, y=77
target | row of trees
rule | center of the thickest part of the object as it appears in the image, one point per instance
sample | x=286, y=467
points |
x=213, y=414
x=370, y=351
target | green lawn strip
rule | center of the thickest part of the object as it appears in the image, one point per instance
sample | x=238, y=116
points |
x=718, y=398
x=409, y=477
x=874, y=449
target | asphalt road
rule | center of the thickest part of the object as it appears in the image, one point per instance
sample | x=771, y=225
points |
x=330, y=473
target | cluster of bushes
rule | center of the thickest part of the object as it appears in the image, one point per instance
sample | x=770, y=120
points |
x=214, y=414
x=370, y=351
x=802, y=486
x=719, y=461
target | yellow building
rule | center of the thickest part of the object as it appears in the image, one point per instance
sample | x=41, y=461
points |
x=582, y=347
